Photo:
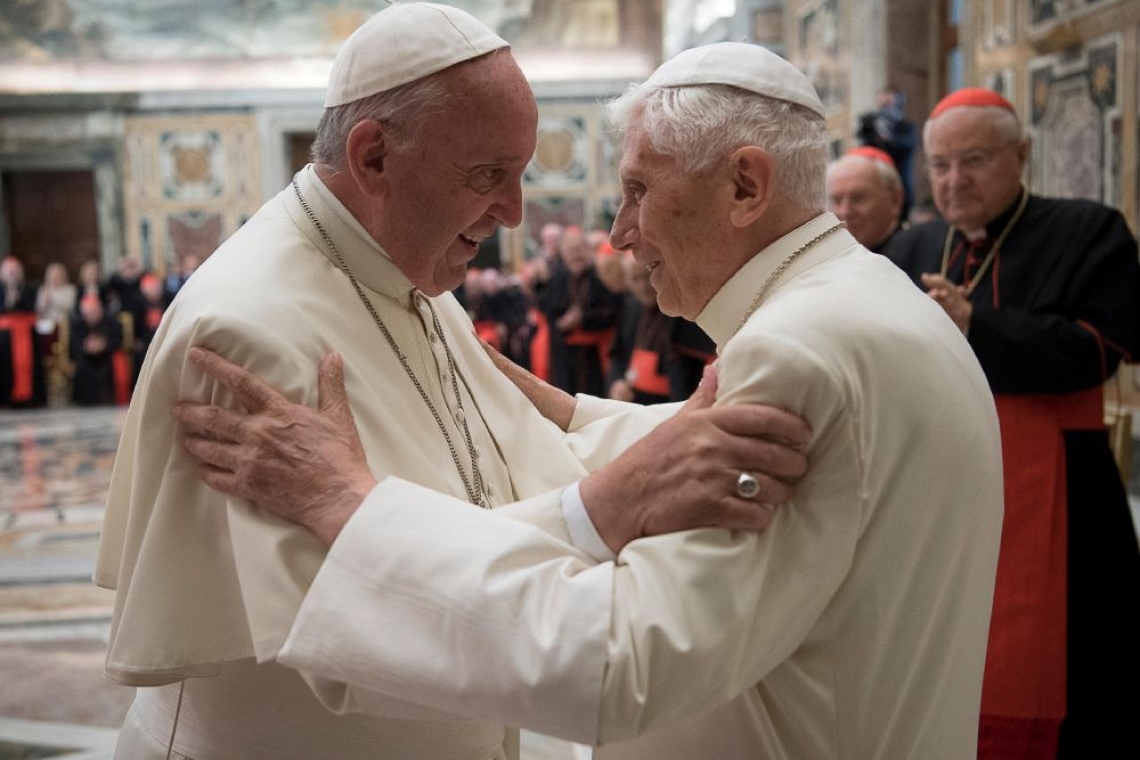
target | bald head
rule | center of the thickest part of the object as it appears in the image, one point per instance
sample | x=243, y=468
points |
x=867, y=194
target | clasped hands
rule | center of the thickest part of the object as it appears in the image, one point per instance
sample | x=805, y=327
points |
x=951, y=297
x=307, y=464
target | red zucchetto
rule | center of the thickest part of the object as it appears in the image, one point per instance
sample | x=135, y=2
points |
x=971, y=96
x=875, y=154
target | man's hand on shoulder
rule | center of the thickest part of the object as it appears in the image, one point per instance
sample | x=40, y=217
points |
x=686, y=473
x=306, y=465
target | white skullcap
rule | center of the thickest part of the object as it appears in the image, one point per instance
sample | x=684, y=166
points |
x=749, y=67
x=403, y=43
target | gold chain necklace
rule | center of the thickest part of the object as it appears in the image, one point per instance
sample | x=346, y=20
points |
x=474, y=486
x=779, y=270
x=988, y=260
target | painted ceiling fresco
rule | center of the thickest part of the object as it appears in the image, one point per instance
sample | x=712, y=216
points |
x=142, y=30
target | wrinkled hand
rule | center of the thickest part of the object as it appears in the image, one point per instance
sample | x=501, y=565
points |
x=552, y=403
x=306, y=465
x=621, y=390
x=952, y=298
x=683, y=474
x=570, y=320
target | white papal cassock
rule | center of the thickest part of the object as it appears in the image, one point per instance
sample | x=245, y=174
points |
x=854, y=627
x=206, y=585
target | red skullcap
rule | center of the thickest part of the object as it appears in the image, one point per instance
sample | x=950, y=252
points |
x=971, y=96
x=875, y=154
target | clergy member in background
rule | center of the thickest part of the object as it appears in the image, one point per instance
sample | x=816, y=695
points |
x=428, y=126
x=21, y=363
x=1047, y=291
x=865, y=191
x=854, y=627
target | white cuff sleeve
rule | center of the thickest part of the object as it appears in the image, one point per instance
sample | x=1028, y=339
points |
x=581, y=528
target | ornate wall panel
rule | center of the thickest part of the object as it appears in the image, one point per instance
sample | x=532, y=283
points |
x=820, y=51
x=572, y=178
x=1071, y=69
x=1075, y=122
x=189, y=183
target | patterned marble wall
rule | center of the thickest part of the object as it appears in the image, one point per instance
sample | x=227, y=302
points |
x=572, y=178
x=820, y=46
x=189, y=183
x=1070, y=67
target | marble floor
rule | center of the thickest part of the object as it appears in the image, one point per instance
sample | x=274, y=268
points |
x=55, y=467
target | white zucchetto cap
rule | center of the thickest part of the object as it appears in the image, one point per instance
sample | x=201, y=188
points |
x=740, y=64
x=403, y=43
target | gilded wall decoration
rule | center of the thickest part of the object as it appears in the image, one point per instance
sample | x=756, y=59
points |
x=1046, y=13
x=1043, y=11
x=819, y=52
x=1074, y=122
x=189, y=183
x=572, y=178
x=997, y=24
x=561, y=155
x=1001, y=82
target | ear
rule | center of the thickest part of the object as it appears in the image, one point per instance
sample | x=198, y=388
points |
x=366, y=150
x=1022, y=155
x=897, y=199
x=752, y=175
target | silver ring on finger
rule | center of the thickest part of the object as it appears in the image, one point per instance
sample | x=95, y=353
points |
x=747, y=486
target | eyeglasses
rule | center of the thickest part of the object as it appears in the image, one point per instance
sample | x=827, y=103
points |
x=970, y=162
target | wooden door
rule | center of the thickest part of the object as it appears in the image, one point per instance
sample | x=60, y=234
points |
x=52, y=217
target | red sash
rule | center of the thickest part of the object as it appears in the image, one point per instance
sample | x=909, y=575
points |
x=1024, y=688
x=154, y=317
x=487, y=330
x=540, y=346
x=599, y=339
x=121, y=377
x=20, y=326
x=645, y=377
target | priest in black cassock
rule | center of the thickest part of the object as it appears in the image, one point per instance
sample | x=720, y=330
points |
x=1047, y=292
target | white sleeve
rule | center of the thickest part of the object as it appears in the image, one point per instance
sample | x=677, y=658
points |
x=499, y=620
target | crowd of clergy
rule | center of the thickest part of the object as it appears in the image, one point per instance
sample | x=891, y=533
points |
x=81, y=341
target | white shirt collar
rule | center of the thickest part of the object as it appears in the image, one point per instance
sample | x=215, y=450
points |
x=370, y=264
x=721, y=316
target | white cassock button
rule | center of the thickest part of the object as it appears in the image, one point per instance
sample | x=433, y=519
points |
x=477, y=452
x=433, y=337
x=461, y=416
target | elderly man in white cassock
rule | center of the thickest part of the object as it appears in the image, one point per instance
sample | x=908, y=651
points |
x=854, y=626
x=428, y=126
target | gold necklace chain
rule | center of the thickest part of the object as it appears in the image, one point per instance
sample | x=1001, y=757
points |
x=988, y=260
x=779, y=270
x=474, y=486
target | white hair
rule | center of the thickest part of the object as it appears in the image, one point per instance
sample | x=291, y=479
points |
x=701, y=124
x=1004, y=121
x=888, y=176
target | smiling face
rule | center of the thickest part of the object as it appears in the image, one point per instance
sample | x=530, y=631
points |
x=975, y=165
x=673, y=222
x=460, y=178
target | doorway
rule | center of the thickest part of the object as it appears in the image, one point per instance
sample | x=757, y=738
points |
x=51, y=216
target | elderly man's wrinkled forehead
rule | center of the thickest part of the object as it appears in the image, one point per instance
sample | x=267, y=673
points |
x=964, y=122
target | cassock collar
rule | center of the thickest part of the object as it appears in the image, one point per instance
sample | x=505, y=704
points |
x=722, y=314
x=996, y=226
x=369, y=262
